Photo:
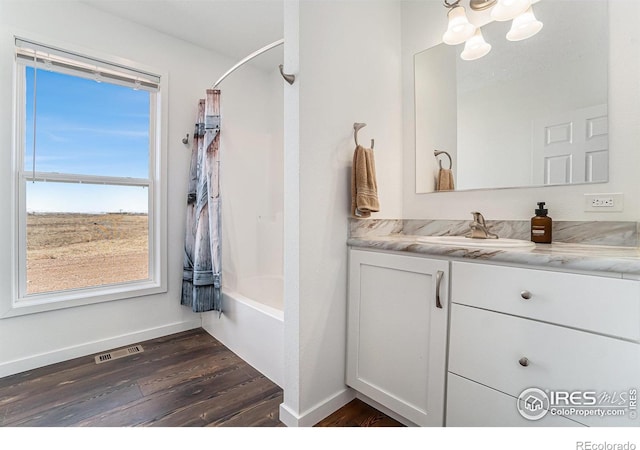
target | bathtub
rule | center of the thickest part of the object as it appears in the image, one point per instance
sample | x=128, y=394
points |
x=252, y=324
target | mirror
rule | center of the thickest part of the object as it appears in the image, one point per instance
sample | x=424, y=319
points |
x=529, y=113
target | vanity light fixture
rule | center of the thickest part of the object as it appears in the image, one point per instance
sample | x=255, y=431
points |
x=524, y=26
x=475, y=47
x=508, y=9
x=460, y=30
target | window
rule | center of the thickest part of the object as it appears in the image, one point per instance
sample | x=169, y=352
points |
x=88, y=193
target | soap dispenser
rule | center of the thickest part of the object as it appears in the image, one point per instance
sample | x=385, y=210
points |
x=541, y=226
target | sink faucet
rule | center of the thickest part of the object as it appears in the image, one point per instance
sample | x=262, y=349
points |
x=479, y=228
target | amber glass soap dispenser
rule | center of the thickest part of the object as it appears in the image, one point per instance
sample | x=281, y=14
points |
x=541, y=226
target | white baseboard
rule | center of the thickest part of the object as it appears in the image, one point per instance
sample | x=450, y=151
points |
x=88, y=348
x=318, y=412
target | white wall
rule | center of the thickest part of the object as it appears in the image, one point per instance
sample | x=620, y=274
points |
x=38, y=339
x=423, y=23
x=349, y=59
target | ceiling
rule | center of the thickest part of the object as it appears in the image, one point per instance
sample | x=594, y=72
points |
x=234, y=28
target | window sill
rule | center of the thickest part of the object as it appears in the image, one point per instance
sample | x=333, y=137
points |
x=52, y=301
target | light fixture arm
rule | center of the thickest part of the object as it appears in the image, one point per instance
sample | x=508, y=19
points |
x=481, y=5
x=451, y=4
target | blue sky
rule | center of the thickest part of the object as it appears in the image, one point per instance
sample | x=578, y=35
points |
x=90, y=128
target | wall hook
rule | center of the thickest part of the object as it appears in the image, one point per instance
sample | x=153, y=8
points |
x=185, y=140
x=356, y=128
x=287, y=77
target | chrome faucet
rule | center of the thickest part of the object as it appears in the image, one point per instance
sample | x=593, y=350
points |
x=479, y=228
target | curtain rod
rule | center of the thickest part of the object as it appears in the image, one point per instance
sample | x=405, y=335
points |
x=247, y=59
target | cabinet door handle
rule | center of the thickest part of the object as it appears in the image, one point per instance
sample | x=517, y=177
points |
x=525, y=295
x=524, y=362
x=439, y=275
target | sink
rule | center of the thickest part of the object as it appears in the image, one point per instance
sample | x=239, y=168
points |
x=462, y=241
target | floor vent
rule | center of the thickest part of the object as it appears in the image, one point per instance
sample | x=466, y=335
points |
x=116, y=354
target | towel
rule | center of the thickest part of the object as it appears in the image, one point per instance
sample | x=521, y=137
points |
x=445, y=180
x=364, y=187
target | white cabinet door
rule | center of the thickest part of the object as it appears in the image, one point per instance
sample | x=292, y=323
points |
x=397, y=333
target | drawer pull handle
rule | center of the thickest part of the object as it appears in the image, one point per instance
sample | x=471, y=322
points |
x=439, y=276
x=525, y=295
x=524, y=362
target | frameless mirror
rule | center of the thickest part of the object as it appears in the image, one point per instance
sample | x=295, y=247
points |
x=529, y=113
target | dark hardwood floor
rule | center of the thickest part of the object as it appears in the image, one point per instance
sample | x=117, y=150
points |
x=358, y=414
x=185, y=379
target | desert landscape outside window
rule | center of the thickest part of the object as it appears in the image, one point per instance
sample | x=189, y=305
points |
x=86, y=184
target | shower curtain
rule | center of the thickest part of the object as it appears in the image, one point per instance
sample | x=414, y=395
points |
x=202, y=267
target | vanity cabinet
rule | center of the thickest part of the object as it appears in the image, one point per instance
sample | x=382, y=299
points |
x=501, y=331
x=397, y=332
x=514, y=329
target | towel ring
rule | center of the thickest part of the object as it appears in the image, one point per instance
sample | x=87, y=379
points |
x=440, y=152
x=356, y=128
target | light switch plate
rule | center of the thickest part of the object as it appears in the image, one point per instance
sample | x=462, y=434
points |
x=604, y=202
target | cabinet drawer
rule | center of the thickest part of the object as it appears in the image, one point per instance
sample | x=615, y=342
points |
x=486, y=347
x=470, y=404
x=603, y=305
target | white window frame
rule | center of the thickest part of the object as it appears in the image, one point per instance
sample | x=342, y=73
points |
x=22, y=303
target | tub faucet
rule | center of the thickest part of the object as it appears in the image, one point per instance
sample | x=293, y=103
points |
x=479, y=228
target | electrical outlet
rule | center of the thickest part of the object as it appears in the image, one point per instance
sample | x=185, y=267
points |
x=603, y=202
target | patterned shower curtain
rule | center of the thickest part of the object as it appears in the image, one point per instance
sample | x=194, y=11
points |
x=202, y=268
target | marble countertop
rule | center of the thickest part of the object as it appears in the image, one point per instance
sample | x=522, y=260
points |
x=580, y=257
